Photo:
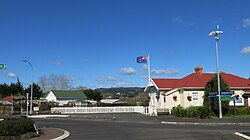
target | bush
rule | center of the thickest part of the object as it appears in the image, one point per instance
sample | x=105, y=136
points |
x=215, y=106
x=239, y=111
x=205, y=113
x=29, y=135
x=178, y=111
x=14, y=127
x=191, y=112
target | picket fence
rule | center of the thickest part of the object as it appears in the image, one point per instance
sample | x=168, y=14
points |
x=86, y=110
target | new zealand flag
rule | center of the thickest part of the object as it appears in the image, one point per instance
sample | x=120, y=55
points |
x=142, y=59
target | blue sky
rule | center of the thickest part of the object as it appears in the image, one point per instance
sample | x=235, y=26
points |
x=95, y=42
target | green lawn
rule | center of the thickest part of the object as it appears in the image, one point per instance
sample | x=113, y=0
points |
x=232, y=116
x=237, y=116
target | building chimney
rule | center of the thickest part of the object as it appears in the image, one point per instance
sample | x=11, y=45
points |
x=198, y=70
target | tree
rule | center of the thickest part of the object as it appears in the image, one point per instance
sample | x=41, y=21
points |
x=16, y=88
x=92, y=94
x=212, y=104
x=12, y=89
x=54, y=82
x=43, y=83
x=37, y=91
x=4, y=90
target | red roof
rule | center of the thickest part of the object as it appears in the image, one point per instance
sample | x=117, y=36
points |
x=199, y=81
x=246, y=91
x=165, y=83
x=10, y=98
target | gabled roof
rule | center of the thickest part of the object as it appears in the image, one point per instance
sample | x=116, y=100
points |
x=68, y=94
x=195, y=80
x=10, y=98
x=165, y=83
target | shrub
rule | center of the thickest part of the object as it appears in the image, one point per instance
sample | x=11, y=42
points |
x=239, y=111
x=178, y=111
x=29, y=135
x=205, y=113
x=14, y=127
x=191, y=112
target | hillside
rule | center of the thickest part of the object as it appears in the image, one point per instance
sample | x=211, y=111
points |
x=128, y=91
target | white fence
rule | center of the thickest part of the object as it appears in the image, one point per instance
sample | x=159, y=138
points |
x=82, y=110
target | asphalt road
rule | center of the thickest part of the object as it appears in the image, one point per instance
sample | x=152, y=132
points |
x=136, y=127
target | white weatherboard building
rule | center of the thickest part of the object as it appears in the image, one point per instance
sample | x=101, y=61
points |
x=64, y=97
x=166, y=93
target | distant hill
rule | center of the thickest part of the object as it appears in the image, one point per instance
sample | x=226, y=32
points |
x=129, y=91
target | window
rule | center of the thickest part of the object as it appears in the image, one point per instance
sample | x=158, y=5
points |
x=195, y=101
x=195, y=96
x=164, y=97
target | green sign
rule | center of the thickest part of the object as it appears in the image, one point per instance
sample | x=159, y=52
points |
x=226, y=98
x=3, y=66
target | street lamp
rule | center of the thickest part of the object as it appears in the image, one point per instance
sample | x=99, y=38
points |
x=216, y=36
x=27, y=104
x=31, y=90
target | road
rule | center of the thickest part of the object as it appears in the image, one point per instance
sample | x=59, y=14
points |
x=136, y=126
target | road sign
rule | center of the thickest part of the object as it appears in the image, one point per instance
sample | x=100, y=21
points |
x=229, y=93
x=226, y=98
x=222, y=94
x=3, y=66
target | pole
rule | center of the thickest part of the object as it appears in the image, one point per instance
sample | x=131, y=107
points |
x=218, y=78
x=216, y=35
x=31, y=90
x=149, y=75
x=27, y=104
x=31, y=94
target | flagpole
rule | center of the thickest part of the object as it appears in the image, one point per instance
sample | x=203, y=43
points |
x=149, y=75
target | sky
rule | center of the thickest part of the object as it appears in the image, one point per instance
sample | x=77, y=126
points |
x=95, y=42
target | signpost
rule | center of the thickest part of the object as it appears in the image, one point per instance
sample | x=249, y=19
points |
x=225, y=95
x=3, y=66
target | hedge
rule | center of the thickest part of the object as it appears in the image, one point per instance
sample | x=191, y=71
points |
x=191, y=112
x=239, y=111
x=15, y=127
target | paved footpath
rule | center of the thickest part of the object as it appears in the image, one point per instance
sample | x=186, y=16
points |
x=49, y=133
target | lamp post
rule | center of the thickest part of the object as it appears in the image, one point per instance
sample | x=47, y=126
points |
x=216, y=36
x=27, y=104
x=31, y=90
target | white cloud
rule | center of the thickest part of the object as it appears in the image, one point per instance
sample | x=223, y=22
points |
x=167, y=71
x=11, y=75
x=246, y=22
x=246, y=50
x=109, y=80
x=128, y=71
x=177, y=20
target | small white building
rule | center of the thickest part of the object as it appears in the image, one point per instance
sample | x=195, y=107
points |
x=166, y=93
x=109, y=101
x=63, y=97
